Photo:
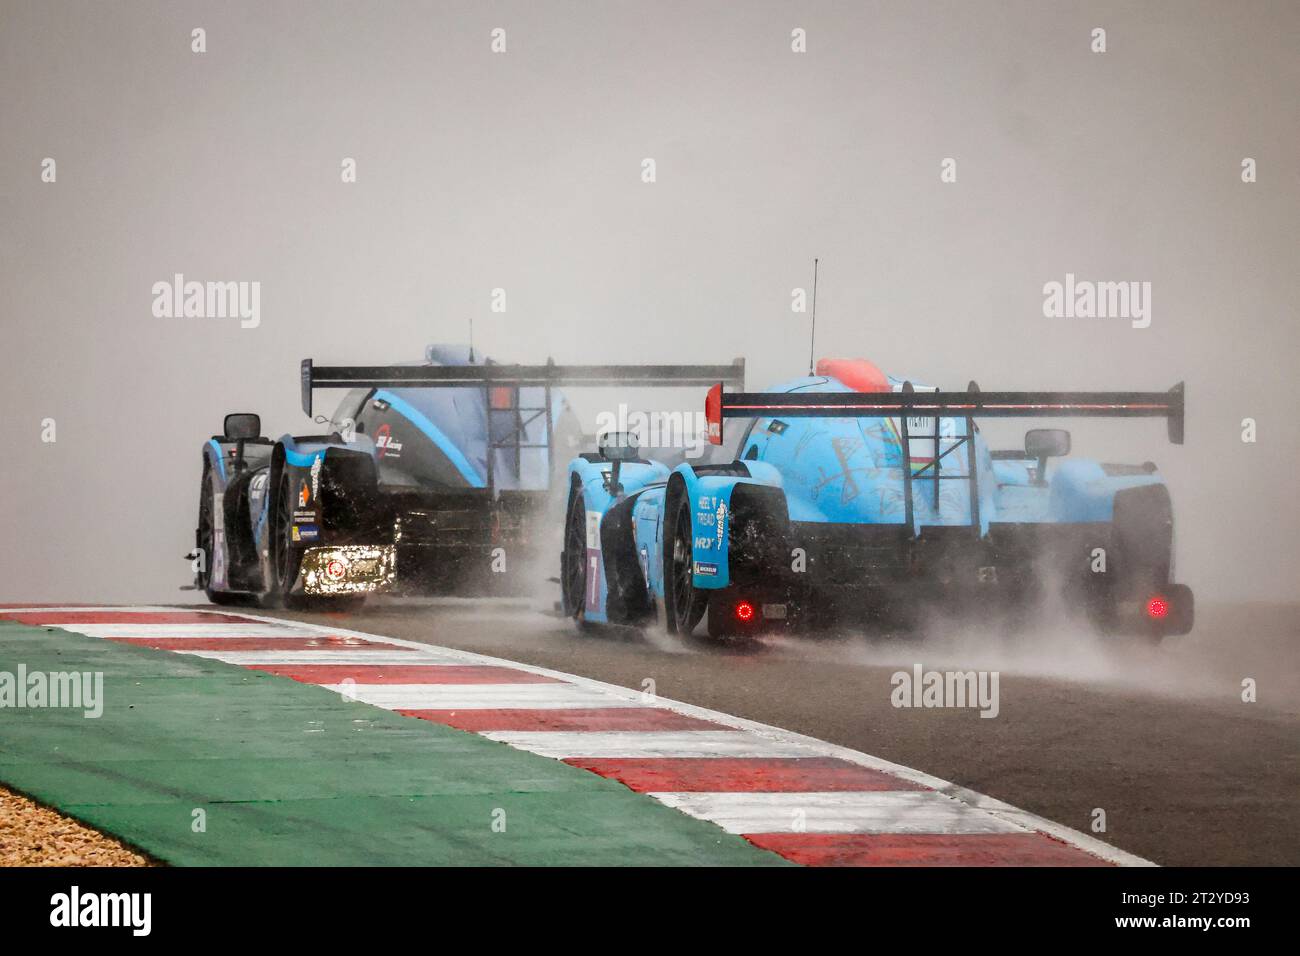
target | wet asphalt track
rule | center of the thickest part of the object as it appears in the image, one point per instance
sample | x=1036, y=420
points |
x=1159, y=738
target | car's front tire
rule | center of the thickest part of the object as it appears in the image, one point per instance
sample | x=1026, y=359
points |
x=286, y=557
x=683, y=604
x=573, y=561
x=205, y=543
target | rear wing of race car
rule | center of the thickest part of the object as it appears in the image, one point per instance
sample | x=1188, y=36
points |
x=969, y=404
x=503, y=383
x=523, y=376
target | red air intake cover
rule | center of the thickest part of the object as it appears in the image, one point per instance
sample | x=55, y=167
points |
x=858, y=374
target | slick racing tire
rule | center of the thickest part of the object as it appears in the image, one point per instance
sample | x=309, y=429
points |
x=573, y=561
x=1142, y=552
x=205, y=542
x=683, y=604
x=286, y=556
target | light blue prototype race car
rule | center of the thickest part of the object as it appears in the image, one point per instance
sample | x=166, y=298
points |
x=849, y=494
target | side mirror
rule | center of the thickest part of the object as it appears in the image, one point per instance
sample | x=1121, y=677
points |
x=618, y=446
x=1043, y=443
x=240, y=426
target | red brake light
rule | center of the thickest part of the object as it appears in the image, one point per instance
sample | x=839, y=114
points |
x=713, y=413
x=744, y=611
x=1157, y=608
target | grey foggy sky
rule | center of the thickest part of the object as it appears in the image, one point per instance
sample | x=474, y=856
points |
x=522, y=171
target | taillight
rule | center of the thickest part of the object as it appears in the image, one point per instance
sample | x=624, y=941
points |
x=744, y=611
x=1157, y=608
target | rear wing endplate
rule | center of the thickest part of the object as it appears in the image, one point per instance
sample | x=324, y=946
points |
x=969, y=404
x=550, y=374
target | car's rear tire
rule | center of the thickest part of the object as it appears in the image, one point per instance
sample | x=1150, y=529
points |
x=683, y=604
x=1141, y=556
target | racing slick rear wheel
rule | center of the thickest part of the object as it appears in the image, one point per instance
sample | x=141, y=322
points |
x=685, y=605
x=1139, y=598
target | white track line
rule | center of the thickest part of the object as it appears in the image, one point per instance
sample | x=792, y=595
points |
x=1013, y=817
x=185, y=630
x=478, y=696
x=874, y=812
x=324, y=656
x=653, y=743
x=101, y=609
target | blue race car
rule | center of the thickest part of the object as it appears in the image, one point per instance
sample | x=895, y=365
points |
x=849, y=493
x=431, y=476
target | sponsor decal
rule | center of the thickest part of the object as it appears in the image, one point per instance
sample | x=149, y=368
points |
x=257, y=492
x=304, y=495
x=386, y=445
x=708, y=570
x=306, y=532
x=593, y=530
x=218, y=556
x=722, y=522
x=315, y=475
x=593, y=581
x=703, y=543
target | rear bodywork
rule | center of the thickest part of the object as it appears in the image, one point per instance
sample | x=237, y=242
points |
x=851, y=493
